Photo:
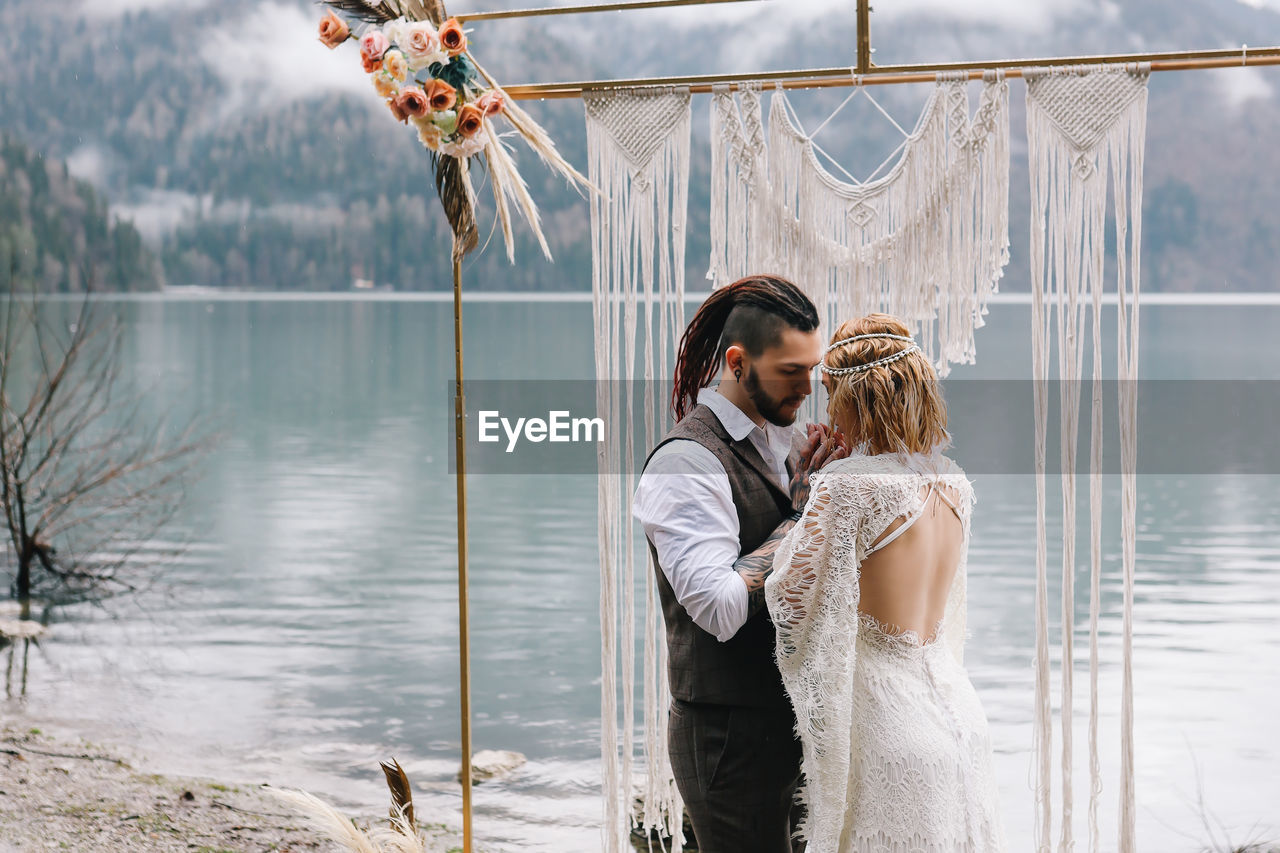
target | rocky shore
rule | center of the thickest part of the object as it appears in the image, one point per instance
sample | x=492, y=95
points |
x=67, y=794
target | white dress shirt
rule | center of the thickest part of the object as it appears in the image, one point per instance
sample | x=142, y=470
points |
x=685, y=504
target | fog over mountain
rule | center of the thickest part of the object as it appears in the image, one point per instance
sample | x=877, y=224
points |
x=248, y=155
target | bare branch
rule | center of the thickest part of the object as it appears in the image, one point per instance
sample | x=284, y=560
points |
x=88, y=479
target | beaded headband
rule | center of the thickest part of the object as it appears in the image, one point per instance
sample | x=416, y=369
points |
x=858, y=368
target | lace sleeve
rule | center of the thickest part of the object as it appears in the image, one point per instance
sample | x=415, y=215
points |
x=812, y=597
x=954, y=626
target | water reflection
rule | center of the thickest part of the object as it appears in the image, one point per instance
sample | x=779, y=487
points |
x=312, y=629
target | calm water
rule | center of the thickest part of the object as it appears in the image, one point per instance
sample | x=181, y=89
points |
x=312, y=629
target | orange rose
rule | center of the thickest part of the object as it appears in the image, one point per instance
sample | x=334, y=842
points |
x=452, y=38
x=333, y=31
x=370, y=64
x=492, y=103
x=413, y=102
x=470, y=120
x=396, y=110
x=441, y=95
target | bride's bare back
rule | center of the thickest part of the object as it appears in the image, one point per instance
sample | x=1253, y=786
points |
x=907, y=574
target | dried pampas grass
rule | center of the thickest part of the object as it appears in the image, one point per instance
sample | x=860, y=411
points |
x=533, y=134
x=326, y=819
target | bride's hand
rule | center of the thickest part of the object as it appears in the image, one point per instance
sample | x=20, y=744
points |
x=837, y=444
x=840, y=439
x=820, y=449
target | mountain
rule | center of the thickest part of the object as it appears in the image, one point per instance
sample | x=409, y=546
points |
x=58, y=236
x=247, y=155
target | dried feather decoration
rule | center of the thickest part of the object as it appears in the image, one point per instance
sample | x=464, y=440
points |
x=450, y=167
x=1083, y=123
x=927, y=242
x=638, y=143
x=401, y=835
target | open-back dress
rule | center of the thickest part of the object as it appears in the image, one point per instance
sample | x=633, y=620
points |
x=897, y=756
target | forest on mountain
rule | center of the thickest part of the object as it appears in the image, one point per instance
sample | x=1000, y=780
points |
x=57, y=235
x=248, y=156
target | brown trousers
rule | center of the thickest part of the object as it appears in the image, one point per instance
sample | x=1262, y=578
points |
x=737, y=769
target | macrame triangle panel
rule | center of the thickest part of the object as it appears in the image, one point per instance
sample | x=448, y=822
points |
x=1083, y=125
x=638, y=154
x=640, y=124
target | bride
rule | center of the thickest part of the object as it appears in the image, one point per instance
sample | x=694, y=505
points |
x=867, y=595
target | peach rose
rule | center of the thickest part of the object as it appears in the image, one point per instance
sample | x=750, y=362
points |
x=428, y=133
x=373, y=45
x=393, y=104
x=333, y=31
x=452, y=38
x=395, y=65
x=421, y=44
x=441, y=95
x=470, y=120
x=386, y=87
x=492, y=103
x=413, y=101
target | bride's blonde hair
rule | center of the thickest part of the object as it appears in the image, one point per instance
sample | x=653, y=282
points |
x=891, y=408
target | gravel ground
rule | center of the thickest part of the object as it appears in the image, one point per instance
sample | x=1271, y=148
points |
x=62, y=794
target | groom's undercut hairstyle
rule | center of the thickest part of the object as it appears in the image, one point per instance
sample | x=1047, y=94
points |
x=754, y=329
x=752, y=312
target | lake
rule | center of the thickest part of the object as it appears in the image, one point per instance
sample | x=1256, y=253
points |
x=311, y=628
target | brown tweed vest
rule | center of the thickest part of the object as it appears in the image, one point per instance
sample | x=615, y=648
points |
x=741, y=671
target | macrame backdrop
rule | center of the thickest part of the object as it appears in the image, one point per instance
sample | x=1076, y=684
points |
x=927, y=242
x=1082, y=124
x=638, y=152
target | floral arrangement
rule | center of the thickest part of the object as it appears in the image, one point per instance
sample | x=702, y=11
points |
x=419, y=64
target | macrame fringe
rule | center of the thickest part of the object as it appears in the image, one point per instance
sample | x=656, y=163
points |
x=1080, y=127
x=927, y=242
x=638, y=143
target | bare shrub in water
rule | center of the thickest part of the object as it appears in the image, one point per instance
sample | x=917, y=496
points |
x=88, y=478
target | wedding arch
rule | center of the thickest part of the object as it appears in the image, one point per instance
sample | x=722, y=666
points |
x=938, y=219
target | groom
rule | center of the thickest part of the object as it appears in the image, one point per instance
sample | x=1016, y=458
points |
x=716, y=497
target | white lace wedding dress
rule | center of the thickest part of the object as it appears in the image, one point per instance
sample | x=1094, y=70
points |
x=897, y=757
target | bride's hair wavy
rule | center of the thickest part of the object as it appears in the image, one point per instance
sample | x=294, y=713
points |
x=891, y=408
x=751, y=312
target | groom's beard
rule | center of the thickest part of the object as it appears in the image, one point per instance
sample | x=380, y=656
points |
x=769, y=407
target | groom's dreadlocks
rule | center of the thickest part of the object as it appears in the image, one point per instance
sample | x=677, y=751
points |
x=751, y=312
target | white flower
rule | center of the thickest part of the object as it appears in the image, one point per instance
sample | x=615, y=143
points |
x=465, y=147
x=394, y=30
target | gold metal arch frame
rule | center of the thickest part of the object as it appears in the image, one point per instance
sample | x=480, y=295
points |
x=868, y=73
